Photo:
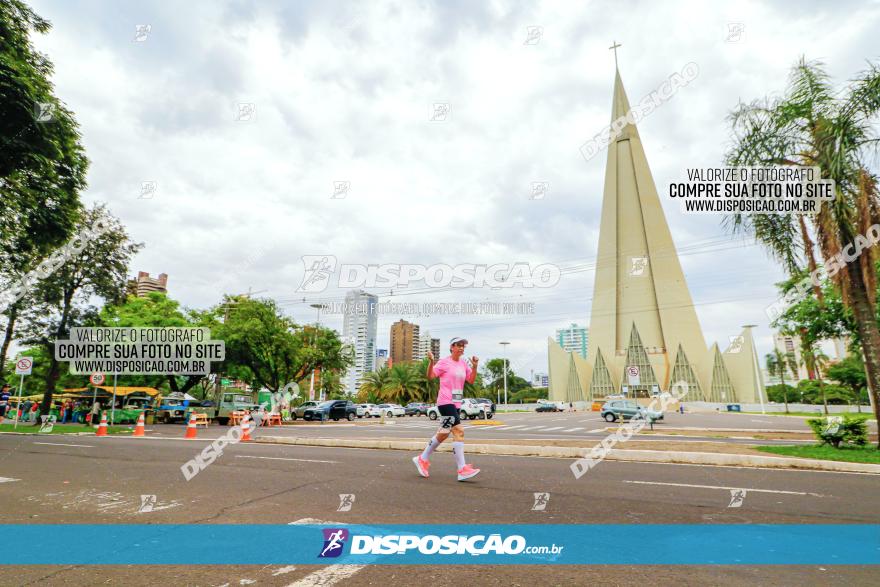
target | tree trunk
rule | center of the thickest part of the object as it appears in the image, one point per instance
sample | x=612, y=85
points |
x=54, y=371
x=7, y=337
x=784, y=389
x=866, y=324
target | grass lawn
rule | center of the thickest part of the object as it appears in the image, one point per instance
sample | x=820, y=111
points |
x=27, y=427
x=850, y=454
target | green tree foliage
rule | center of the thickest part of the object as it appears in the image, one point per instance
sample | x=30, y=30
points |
x=836, y=432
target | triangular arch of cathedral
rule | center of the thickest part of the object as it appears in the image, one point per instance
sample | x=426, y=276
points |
x=637, y=356
x=601, y=384
x=722, y=388
x=683, y=371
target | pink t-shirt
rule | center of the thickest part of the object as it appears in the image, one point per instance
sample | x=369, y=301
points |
x=452, y=376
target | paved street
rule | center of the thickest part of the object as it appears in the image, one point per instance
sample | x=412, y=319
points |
x=66, y=479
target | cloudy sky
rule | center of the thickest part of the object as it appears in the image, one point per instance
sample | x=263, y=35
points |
x=346, y=92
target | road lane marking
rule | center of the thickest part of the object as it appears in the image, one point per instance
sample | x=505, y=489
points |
x=554, y=428
x=8, y=479
x=63, y=444
x=326, y=576
x=572, y=429
x=284, y=459
x=517, y=426
x=724, y=487
x=595, y=431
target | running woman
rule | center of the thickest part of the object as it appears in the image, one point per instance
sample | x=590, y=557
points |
x=452, y=371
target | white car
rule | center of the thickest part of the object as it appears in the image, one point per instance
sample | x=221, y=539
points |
x=390, y=410
x=362, y=410
x=470, y=408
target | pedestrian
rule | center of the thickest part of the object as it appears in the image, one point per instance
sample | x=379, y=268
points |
x=681, y=408
x=26, y=410
x=96, y=411
x=257, y=417
x=34, y=409
x=452, y=372
x=4, y=401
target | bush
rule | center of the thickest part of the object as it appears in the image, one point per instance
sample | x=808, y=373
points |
x=840, y=430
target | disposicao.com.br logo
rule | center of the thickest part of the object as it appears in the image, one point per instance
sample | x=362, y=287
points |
x=402, y=544
x=318, y=269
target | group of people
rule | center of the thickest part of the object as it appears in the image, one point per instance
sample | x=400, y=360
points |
x=69, y=410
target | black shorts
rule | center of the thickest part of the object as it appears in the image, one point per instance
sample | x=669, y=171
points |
x=3, y=411
x=449, y=416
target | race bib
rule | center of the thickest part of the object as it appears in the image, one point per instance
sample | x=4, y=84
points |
x=457, y=395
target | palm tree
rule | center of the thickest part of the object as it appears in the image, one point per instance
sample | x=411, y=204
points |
x=815, y=360
x=403, y=383
x=373, y=385
x=777, y=364
x=814, y=125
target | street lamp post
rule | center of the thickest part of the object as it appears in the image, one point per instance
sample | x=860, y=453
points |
x=504, y=356
x=318, y=307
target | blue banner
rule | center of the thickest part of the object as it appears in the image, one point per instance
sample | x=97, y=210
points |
x=483, y=544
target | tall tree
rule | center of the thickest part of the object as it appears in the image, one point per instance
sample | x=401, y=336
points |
x=42, y=162
x=777, y=364
x=816, y=125
x=62, y=299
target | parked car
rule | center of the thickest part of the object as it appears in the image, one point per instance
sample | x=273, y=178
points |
x=470, y=408
x=391, y=410
x=300, y=410
x=547, y=408
x=362, y=410
x=490, y=405
x=331, y=410
x=374, y=411
x=627, y=410
x=416, y=409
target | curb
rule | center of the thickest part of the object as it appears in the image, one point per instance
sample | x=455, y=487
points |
x=567, y=452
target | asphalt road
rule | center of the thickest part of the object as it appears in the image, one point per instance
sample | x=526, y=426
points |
x=101, y=480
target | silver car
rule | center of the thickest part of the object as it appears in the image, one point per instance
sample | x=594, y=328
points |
x=297, y=412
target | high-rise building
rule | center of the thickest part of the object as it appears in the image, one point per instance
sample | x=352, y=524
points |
x=359, y=332
x=573, y=339
x=426, y=343
x=644, y=333
x=144, y=284
x=834, y=349
x=404, y=341
x=381, y=358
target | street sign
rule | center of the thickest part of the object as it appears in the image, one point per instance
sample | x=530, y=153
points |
x=24, y=366
x=96, y=378
x=632, y=375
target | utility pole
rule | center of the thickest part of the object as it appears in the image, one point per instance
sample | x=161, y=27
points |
x=504, y=356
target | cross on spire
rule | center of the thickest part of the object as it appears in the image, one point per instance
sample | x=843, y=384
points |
x=614, y=47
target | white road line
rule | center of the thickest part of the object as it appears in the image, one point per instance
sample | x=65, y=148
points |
x=532, y=428
x=517, y=426
x=8, y=479
x=572, y=429
x=596, y=430
x=554, y=428
x=723, y=487
x=326, y=576
x=283, y=570
x=62, y=444
x=284, y=459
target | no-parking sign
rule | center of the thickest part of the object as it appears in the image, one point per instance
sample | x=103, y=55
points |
x=632, y=374
x=97, y=378
x=24, y=366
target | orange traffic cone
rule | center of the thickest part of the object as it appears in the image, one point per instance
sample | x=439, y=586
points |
x=102, y=427
x=139, y=429
x=246, y=429
x=191, y=427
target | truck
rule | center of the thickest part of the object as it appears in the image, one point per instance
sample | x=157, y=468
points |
x=224, y=402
